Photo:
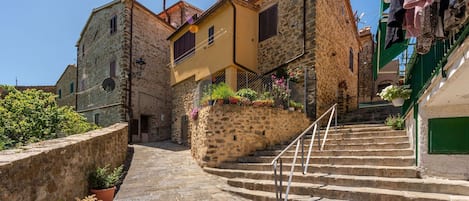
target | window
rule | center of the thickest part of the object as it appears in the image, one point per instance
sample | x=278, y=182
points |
x=211, y=37
x=268, y=23
x=60, y=93
x=113, y=23
x=184, y=46
x=83, y=50
x=96, y=119
x=72, y=87
x=112, y=69
x=351, y=59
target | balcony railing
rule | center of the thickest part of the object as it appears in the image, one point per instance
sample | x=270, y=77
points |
x=422, y=68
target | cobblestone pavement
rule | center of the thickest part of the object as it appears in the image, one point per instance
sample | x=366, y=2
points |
x=166, y=171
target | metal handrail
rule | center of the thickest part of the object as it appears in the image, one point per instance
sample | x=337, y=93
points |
x=277, y=161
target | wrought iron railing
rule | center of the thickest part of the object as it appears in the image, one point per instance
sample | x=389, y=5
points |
x=422, y=68
x=299, y=141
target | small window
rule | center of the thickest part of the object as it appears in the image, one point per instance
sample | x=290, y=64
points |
x=60, y=93
x=83, y=50
x=351, y=60
x=184, y=46
x=113, y=24
x=72, y=87
x=112, y=69
x=211, y=37
x=268, y=23
x=96, y=119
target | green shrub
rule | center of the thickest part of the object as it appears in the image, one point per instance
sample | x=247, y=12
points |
x=247, y=93
x=396, y=122
x=103, y=178
x=32, y=116
x=222, y=91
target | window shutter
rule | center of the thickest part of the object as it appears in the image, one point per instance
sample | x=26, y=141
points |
x=211, y=37
x=112, y=69
x=268, y=23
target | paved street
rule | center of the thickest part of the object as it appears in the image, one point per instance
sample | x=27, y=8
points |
x=166, y=171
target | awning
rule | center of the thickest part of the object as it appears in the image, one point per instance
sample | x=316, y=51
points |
x=383, y=56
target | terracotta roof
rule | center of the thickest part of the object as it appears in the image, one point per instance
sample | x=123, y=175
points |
x=173, y=8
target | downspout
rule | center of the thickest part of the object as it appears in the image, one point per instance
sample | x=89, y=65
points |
x=130, y=73
x=234, y=41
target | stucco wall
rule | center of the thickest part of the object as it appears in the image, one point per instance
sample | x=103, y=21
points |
x=58, y=169
x=441, y=165
x=227, y=132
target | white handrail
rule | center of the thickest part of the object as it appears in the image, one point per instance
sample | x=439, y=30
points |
x=314, y=125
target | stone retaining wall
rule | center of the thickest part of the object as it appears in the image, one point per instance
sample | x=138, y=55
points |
x=227, y=132
x=58, y=169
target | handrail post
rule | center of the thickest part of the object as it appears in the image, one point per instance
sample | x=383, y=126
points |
x=302, y=151
x=275, y=181
x=310, y=149
x=281, y=178
x=327, y=129
x=292, y=170
x=335, y=106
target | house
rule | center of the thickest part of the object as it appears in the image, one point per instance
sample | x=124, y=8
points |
x=437, y=113
x=66, y=87
x=236, y=40
x=122, y=70
x=177, y=14
x=366, y=88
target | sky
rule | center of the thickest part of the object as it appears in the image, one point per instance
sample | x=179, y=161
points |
x=37, y=38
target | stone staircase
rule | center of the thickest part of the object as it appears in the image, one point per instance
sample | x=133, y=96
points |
x=359, y=162
x=370, y=114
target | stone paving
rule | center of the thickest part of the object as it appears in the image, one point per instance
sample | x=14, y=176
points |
x=166, y=171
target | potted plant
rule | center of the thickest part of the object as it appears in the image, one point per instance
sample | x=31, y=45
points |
x=234, y=100
x=247, y=93
x=396, y=94
x=103, y=182
x=222, y=92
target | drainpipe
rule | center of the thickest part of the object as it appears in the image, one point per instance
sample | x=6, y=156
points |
x=130, y=73
x=234, y=41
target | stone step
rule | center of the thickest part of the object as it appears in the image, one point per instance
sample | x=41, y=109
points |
x=429, y=185
x=366, y=134
x=338, y=160
x=369, y=152
x=349, y=129
x=343, y=192
x=352, y=140
x=358, y=170
x=357, y=146
x=270, y=196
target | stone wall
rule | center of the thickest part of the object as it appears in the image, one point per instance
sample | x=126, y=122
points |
x=69, y=76
x=58, y=169
x=151, y=96
x=365, y=66
x=227, y=132
x=182, y=104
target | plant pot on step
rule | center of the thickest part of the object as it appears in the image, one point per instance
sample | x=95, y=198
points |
x=398, y=102
x=104, y=194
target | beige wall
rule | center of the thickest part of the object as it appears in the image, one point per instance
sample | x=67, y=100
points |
x=207, y=59
x=58, y=169
x=246, y=37
x=69, y=76
x=227, y=132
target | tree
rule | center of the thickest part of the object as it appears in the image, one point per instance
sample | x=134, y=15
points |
x=33, y=115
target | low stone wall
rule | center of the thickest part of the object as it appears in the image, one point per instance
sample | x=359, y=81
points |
x=227, y=132
x=58, y=169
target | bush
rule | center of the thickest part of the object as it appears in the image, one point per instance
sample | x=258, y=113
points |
x=103, y=178
x=396, y=122
x=32, y=115
x=247, y=93
x=222, y=91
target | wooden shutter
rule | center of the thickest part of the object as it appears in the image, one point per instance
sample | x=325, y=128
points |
x=268, y=23
x=211, y=37
x=184, y=46
x=112, y=69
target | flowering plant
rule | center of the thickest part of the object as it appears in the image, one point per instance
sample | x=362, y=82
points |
x=392, y=92
x=280, y=91
x=294, y=74
x=195, y=113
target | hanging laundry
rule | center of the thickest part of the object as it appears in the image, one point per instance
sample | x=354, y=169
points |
x=455, y=15
x=413, y=15
x=394, y=32
x=428, y=23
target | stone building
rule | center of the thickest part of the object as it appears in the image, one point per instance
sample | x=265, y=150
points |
x=178, y=13
x=66, y=89
x=123, y=72
x=261, y=37
x=366, y=90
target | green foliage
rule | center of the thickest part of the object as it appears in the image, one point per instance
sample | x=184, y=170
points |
x=222, y=91
x=247, y=93
x=392, y=92
x=32, y=115
x=296, y=105
x=103, y=178
x=396, y=122
x=88, y=198
x=265, y=96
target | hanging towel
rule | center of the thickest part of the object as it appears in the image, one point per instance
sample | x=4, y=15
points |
x=394, y=32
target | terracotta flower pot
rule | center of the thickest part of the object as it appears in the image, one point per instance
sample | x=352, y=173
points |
x=104, y=194
x=220, y=101
x=233, y=100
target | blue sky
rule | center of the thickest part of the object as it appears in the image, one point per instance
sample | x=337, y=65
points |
x=37, y=39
